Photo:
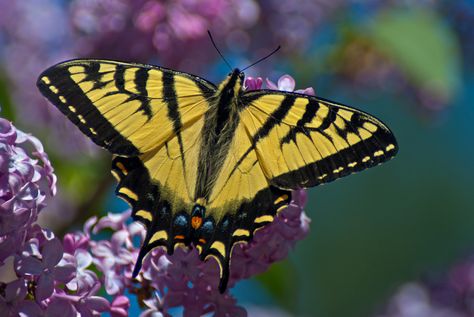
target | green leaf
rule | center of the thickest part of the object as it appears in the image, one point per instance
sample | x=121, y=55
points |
x=422, y=45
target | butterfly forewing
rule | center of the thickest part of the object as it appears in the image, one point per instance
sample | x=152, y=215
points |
x=303, y=141
x=126, y=108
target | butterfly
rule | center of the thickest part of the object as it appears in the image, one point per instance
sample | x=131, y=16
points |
x=207, y=166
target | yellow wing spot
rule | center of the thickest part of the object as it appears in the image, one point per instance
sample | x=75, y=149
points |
x=127, y=192
x=93, y=131
x=378, y=153
x=105, y=68
x=159, y=235
x=390, y=147
x=340, y=169
x=352, y=164
x=370, y=126
x=340, y=123
x=266, y=218
x=45, y=80
x=145, y=214
x=347, y=115
x=115, y=175
x=280, y=199
x=62, y=99
x=353, y=138
x=76, y=69
x=72, y=109
x=366, y=159
x=220, y=247
x=199, y=248
x=281, y=208
x=322, y=176
x=179, y=245
x=241, y=232
x=321, y=115
x=122, y=168
x=81, y=118
x=54, y=89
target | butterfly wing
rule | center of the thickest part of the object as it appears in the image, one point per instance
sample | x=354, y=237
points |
x=286, y=141
x=159, y=185
x=302, y=141
x=151, y=118
x=126, y=108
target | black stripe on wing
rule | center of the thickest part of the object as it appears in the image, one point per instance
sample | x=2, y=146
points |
x=60, y=89
x=353, y=159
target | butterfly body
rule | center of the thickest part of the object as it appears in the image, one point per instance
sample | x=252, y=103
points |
x=207, y=166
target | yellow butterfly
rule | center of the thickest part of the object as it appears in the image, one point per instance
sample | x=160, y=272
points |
x=207, y=165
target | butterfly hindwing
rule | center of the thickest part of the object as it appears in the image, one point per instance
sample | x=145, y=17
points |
x=302, y=141
x=126, y=108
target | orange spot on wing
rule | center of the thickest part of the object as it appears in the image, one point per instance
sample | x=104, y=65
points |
x=179, y=237
x=196, y=222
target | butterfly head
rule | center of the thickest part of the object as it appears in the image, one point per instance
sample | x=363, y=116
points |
x=232, y=85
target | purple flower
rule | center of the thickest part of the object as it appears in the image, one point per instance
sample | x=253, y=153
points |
x=184, y=280
x=285, y=83
x=46, y=270
x=15, y=293
x=84, y=280
x=26, y=176
x=154, y=307
x=447, y=295
x=115, y=261
x=86, y=304
x=120, y=306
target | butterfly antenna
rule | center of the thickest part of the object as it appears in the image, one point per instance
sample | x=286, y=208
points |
x=263, y=58
x=215, y=46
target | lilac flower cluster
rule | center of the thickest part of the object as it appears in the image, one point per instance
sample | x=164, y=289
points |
x=25, y=181
x=450, y=296
x=40, y=265
x=54, y=277
x=182, y=279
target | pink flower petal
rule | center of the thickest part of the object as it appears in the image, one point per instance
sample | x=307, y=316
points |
x=286, y=83
x=97, y=303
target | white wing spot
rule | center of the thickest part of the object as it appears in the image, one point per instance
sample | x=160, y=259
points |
x=63, y=100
